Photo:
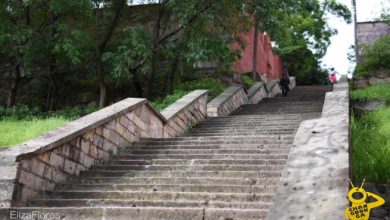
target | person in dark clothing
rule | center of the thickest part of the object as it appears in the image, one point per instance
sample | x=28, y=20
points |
x=284, y=84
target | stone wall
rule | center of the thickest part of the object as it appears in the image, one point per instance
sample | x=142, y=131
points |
x=314, y=184
x=185, y=113
x=369, y=32
x=60, y=155
x=230, y=100
x=235, y=96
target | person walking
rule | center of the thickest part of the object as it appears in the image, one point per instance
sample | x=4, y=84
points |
x=332, y=76
x=284, y=84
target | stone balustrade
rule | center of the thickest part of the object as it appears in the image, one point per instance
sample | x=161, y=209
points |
x=185, y=113
x=314, y=184
x=60, y=155
x=230, y=100
x=235, y=96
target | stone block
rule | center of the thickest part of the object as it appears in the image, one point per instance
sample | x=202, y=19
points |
x=59, y=176
x=65, y=150
x=56, y=161
x=44, y=157
x=93, y=151
x=69, y=167
x=39, y=184
x=26, y=178
x=88, y=161
x=49, y=172
x=85, y=143
x=74, y=154
x=33, y=165
x=89, y=135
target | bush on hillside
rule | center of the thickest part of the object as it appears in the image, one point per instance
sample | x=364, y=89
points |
x=375, y=57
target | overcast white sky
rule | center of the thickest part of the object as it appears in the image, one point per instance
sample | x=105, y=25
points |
x=367, y=10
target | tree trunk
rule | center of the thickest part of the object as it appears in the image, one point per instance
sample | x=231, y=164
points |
x=156, y=38
x=355, y=31
x=101, y=45
x=11, y=100
x=138, y=85
x=170, y=80
x=102, y=84
x=255, y=43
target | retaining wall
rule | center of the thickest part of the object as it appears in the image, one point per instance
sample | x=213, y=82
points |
x=234, y=97
x=58, y=156
x=314, y=184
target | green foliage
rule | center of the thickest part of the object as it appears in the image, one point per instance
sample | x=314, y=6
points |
x=161, y=103
x=247, y=81
x=14, y=131
x=375, y=56
x=371, y=146
x=371, y=137
x=213, y=85
x=372, y=92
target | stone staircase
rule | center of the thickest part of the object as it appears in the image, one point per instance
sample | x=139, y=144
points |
x=224, y=168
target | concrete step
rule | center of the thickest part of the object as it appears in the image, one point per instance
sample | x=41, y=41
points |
x=252, y=146
x=201, y=156
x=171, y=188
x=221, y=142
x=142, y=213
x=173, y=174
x=169, y=196
x=205, y=151
x=179, y=180
x=227, y=133
x=203, y=167
x=146, y=203
x=197, y=162
x=217, y=138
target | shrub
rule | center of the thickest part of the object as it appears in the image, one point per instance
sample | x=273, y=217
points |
x=375, y=56
x=213, y=85
x=248, y=81
x=161, y=103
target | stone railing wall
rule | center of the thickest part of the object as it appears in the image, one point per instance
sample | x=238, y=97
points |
x=230, y=100
x=258, y=91
x=60, y=155
x=235, y=96
x=185, y=113
x=314, y=183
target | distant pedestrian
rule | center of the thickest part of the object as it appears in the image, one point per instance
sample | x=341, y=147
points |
x=332, y=76
x=284, y=84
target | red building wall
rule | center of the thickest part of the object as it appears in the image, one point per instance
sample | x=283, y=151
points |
x=267, y=63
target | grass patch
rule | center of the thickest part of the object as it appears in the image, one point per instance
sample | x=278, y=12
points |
x=373, y=92
x=14, y=131
x=371, y=137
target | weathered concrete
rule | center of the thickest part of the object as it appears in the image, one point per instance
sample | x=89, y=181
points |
x=314, y=184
